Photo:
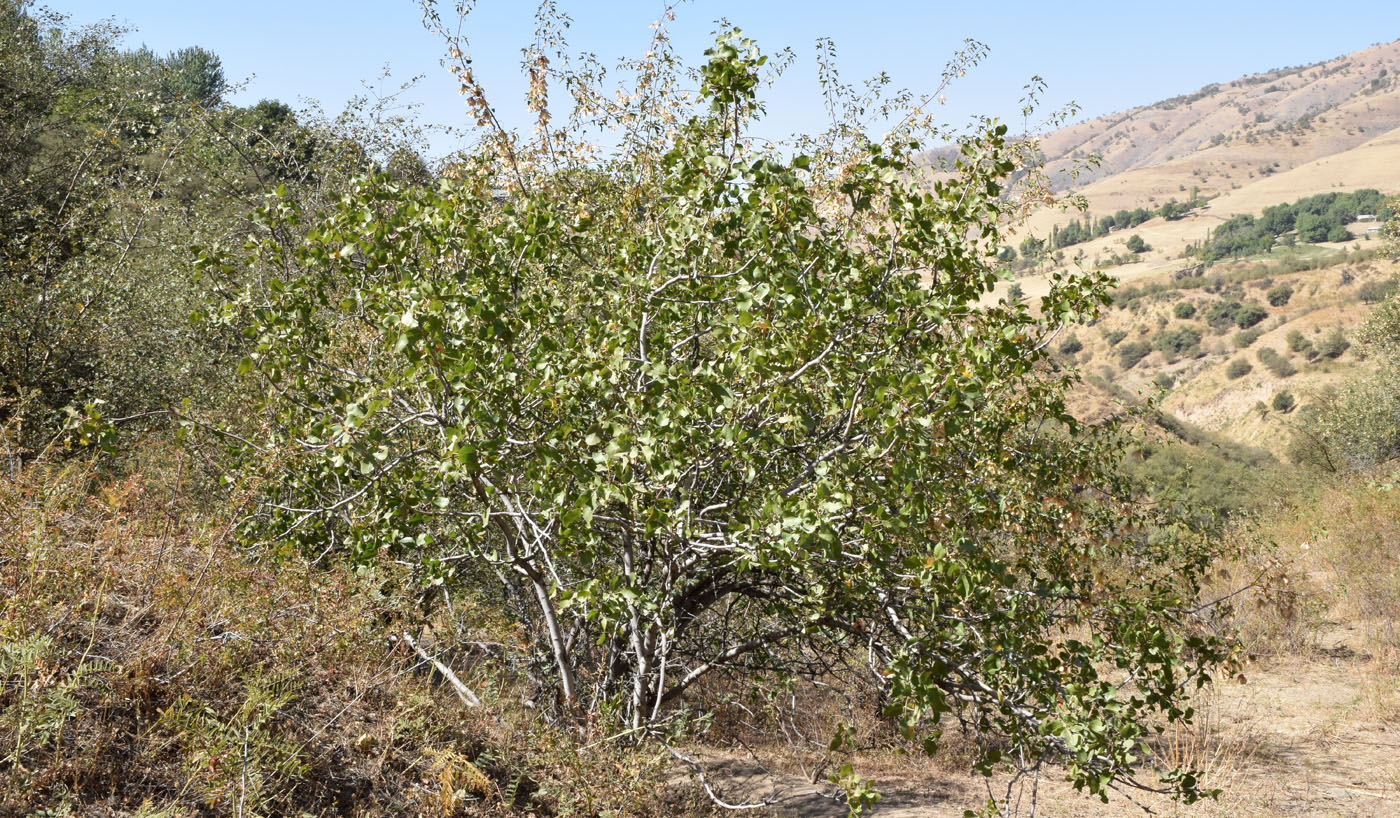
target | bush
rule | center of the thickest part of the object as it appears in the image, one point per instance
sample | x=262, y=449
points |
x=1177, y=341
x=1238, y=369
x=1137, y=245
x=618, y=414
x=1284, y=401
x=1221, y=314
x=1072, y=345
x=1278, y=296
x=1244, y=338
x=1184, y=309
x=1301, y=345
x=1131, y=352
x=1333, y=344
x=1113, y=336
x=1276, y=363
x=1374, y=292
x=1163, y=380
x=1249, y=315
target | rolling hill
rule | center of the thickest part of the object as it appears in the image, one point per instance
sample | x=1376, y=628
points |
x=1235, y=147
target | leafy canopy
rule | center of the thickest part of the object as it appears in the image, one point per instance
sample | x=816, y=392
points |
x=699, y=407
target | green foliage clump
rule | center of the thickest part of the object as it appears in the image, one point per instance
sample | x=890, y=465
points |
x=1135, y=244
x=1071, y=345
x=1333, y=344
x=661, y=407
x=112, y=164
x=1202, y=474
x=1114, y=336
x=1238, y=368
x=1250, y=314
x=1356, y=425
x=1131, y=352
x=1299, y=343
x=1221, y=314
x=1180, y=340
x=1284, y=401
x=1184, y=310
x=1315, y=218
x=1278, y=296
x=1376, y=291
x=1277, y=364
x=1244, y=338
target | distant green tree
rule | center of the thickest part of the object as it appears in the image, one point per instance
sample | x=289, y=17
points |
x=1131, y=352
x=1276, y=363
x=405, y=165
x=1184, y=309
x=1245, y=338
x=1222, y=314
x=1180, y=340
x=1249, y=315
x=1333, y=344
x=1238, y=368
x=1375, y=291
x=195, y=75
x=1313, y=227
x=1135, y=244
x=1278, y=296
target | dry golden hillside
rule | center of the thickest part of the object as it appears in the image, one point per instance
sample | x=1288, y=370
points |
x=1290, y=116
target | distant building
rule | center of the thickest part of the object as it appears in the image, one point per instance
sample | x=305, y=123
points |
x=1366, y=217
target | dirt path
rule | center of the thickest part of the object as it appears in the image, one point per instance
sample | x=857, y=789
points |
x=1304, y=737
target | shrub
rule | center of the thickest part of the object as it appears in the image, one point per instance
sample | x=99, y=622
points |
x=1278, y=296
x=1374, y=292
x=1163, y=380
x=1284, y=401
x=648, y=405
x=1071, y=345
x=1113, y=336
x=1238, y=369
x=1135, y=244
x=1184, y=309
x=1249, y=315
x=1222, y=313
x=1177, y=341
x=1244, y=338
x=1333, y=344
x=1276, y=363
x=1131, y=352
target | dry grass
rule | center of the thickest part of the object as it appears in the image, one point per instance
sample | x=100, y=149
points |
x=148, y=668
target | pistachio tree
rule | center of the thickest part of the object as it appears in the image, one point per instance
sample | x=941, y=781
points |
x=693, y=408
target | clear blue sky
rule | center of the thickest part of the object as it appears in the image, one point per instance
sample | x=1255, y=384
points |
x=1104, y=56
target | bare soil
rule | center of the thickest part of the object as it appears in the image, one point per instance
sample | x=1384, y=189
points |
x=1302, y=737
